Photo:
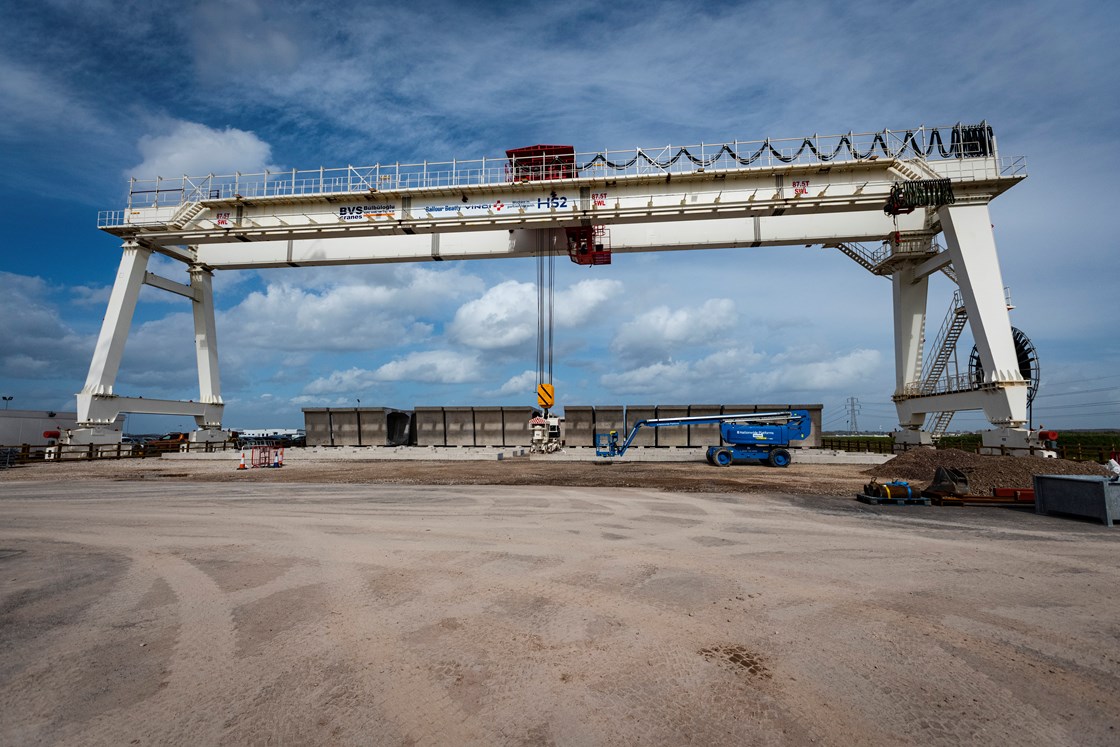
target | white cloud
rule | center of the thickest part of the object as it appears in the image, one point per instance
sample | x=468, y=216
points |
x=504, y=317
x=347, y=317
x=526, y=381
x=88, y=295
x=352, y=380
x=433, y=366
x=661, y=330
x=35, y=100
x=741, y=374
x=37, y=343
x=506, y=314
x=193, y=149
x=241, y=37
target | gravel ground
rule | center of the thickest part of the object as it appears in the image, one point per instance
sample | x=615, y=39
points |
x=983, y=472
x=698, y=477
x=189, y=603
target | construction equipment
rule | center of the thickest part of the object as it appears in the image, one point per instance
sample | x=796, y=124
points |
x=751, y=436
x=895, y=492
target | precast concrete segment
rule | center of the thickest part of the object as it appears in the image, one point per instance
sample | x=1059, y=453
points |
x=372, y=426
x=460, y=426
x=515, y=426
x=579, y=426
x=431, y=428
x=635, y=413
x=488, y=426
x=672, y=436
x=704, y=434
x=609, y=419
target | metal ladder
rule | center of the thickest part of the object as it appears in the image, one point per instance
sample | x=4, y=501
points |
x=946, y=343
x=185, y=214
x=864, y=257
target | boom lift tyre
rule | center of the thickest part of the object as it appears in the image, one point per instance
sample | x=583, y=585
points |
x=779, y=458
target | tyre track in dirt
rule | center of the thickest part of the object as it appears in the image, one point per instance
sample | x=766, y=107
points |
x=496, y=616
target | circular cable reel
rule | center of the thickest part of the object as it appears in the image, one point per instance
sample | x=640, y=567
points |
x=1025, y=353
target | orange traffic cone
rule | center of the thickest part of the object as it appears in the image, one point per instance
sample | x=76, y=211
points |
x=242, y=465
x=281, y=462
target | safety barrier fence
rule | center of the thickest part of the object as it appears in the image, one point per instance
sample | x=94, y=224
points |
x=886, y=445
x=11, y=456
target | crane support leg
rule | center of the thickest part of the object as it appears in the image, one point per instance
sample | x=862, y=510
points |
x=968, y=233
x=99, y=406
x=910, y=297
x=206, y=346
x=1003, y=393
x=94, y=414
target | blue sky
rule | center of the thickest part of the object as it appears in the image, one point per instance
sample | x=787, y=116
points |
x=93, y=92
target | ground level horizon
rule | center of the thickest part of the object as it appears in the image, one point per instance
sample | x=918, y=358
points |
x=149, y=608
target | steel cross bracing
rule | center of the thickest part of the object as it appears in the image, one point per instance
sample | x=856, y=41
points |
x=785, y=199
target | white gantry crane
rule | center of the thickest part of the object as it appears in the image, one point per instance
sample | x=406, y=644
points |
x=899, y=189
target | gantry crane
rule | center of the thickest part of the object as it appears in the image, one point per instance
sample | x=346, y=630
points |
x=900, y=189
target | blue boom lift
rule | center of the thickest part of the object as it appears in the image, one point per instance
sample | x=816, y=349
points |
x=750, y=436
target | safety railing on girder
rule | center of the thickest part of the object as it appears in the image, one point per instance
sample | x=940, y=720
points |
x=971, y=146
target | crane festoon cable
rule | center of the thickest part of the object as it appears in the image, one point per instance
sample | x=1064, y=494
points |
x=977, y=136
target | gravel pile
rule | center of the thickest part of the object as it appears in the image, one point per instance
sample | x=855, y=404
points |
x=983, y=472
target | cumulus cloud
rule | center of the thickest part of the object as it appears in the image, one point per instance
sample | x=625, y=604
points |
x=37, y=343
x=241, y=36
x=90, y=295
x=34, y=99
x=743, y=374
x=345, y=318
x=661, y=330
x=433, y=366
x=505, y=316
x=194, y=149
x=526, y=381
x=339, y=382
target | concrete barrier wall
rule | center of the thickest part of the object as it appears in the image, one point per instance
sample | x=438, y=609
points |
x=372, y=427
x=460, y=425
x=579, y=425
x=515, y=426
x=509, y=426
x=400, y=428
x=316, y=423
x=704, y=434
x=609, y=419
x=674, y=436
x=430, y=429
x=344, y=427
x=489, y=426
x=646, y=436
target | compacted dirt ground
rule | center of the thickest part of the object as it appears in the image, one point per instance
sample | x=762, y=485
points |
x=187, y=603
